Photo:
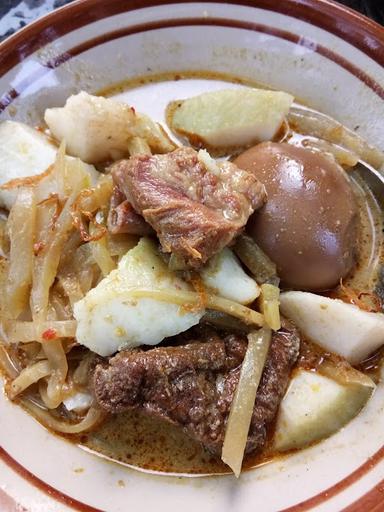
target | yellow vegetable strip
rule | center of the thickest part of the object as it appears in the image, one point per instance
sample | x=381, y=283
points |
x=92, y=417
x=29, y=376
x=99, y=196
x=101, y=253
x=47, y=262
x=187, y=298
x=240, y=415
x=269, y=305
x=34, y=331
x=6, y=363
x=261, y=267
x=72, y=177
x=120, y=244
x=308, y=122
x=27, y=181
x=21, y=226
x=57, y=358
x=138, y=146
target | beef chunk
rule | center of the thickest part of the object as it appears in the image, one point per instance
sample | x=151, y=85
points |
x=195, y=211
x=192, y=385
x=122, y=218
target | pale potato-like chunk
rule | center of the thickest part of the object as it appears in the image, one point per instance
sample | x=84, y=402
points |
x=226, y=277
x=316, y=406
x=97, y=129
x=27, y=153
x=24, y=152
x=339, y=327
x=229, y=119
x=110, y=319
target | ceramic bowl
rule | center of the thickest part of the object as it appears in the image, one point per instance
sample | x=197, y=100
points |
x=329, y=57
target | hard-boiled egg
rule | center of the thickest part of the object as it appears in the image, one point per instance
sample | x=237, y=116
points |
x=309, y=225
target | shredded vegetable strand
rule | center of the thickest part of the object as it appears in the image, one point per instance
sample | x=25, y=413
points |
x=45, y=212
x=57, y=358
x=101, y=253
x=6, y=363
x=240, y=415
x=28, y=181
x=18, y=331
x=4, y=313
x=51, y=401
x=77, y=275
x=100, y=195
x=188, y=298
x=80, y=375
x=374, y=304
x=21, y=226
x=92, y=199
x=269, y=305
x=262, y=268
x=86, y=204
x=71, y=178
x=138, y=146
x=60, y=170
x=71, y=286
x=4, y=239
x=120, y=244
x=90, y=420
x=343, y=157
x=225, y=321
x=309, y=122
x=60, y=304
x=47, y=262
x=29, y=376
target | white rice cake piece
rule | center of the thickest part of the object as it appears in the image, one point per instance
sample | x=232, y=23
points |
x=316, y=406
x=226, y=277
x=339, y=327
x=96, y=129
x=24, y=152
x=229, y=118
x=110, y=320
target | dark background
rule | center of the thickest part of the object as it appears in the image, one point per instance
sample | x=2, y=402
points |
x=15, y=14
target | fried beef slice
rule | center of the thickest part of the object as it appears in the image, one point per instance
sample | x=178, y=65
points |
x=195, y=211
x=192, y=385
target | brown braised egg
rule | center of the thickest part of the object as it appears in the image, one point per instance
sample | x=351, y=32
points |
x=309, y=225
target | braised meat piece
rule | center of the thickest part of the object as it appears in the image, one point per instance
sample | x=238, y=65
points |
x=196, y=210
x=122, y=218
x=192, y=385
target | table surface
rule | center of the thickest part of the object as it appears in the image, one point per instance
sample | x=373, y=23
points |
x=15, y=14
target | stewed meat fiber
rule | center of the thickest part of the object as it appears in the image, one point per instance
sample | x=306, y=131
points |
x=192, y=385
x=194, y=210
x=122, y=218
